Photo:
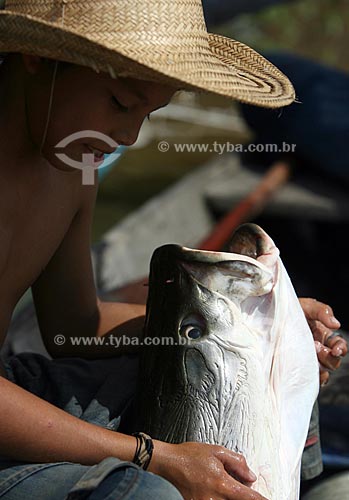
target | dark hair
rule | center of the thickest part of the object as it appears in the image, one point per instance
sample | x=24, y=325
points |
x=5, y=56
x=61, y=66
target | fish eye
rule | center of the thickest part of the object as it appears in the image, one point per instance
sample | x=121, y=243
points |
x=191, y=332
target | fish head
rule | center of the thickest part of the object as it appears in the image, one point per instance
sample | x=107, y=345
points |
x=194, y=294
x=228, y=357
x=196, y=341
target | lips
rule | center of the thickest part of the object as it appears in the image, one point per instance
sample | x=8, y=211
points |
x=97, y=153
x=100, y=152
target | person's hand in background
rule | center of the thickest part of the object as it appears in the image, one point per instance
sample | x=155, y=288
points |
x=330, y=346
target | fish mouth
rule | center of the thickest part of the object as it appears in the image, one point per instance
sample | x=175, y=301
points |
x=250, y=240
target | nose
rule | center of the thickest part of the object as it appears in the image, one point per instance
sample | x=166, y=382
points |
x=127, y=140
x=130, y=131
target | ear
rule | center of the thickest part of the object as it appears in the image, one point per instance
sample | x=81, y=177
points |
x=32, y=63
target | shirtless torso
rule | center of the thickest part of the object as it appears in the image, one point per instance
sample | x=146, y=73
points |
x=34, y=199
x=45, y=209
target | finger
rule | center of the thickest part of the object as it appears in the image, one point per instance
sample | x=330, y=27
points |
x=319, y=330
x=338, y=345
x=325, y=357
x=325, y=336
x=237, y=491
x=315, y=310
x=235, y=465
x=324, y=377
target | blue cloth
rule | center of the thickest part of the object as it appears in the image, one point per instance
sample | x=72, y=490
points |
x=318, y=125
x=97, y=391
x=105, y=169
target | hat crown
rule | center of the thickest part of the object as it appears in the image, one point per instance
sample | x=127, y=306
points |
x=112, y=17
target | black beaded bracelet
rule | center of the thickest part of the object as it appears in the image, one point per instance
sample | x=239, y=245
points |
x=144, y=450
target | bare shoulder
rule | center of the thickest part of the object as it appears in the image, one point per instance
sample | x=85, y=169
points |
x=45, y=219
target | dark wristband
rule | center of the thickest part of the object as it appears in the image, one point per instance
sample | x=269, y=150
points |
x=144, y=450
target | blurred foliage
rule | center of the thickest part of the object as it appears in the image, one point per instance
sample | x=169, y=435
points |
x=318, y=29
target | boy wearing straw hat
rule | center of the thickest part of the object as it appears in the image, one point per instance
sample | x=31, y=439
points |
x=119, y=61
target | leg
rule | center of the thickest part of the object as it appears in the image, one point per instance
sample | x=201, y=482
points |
x=311, y=458
x=126, y=483
x=111, y=479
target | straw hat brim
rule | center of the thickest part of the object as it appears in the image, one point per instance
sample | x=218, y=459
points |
x=228, y=68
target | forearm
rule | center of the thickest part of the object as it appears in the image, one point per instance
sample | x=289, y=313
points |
x=114, y=317
x=116, y=330
x=36, y=431
x=33, y=430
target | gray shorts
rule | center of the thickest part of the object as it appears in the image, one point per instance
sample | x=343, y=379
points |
x=312, y=458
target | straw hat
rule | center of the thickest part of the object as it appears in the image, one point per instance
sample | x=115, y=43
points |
x=159, y=40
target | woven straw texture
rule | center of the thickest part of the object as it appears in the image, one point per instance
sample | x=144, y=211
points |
x=159, y=40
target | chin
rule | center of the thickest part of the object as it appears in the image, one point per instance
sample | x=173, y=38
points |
x=57, y=163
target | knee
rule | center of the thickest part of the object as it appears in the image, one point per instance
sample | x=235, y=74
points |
x=131, y=483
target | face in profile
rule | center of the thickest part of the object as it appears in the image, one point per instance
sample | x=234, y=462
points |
x=85, y=100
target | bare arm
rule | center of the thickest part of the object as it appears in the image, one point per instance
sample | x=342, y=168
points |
x=42, y=433
x=66, y=301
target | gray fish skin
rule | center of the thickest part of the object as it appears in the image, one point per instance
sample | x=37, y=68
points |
x=188, y=392
x=212, y=382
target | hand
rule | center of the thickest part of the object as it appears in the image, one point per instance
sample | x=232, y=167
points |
x=329, y=348
x=204, y=471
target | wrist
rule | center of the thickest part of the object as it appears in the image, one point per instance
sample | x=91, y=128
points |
x=144, y=450
x=162, y=454
x=122, y=446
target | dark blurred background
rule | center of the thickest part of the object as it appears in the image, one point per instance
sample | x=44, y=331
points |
x=314, y=251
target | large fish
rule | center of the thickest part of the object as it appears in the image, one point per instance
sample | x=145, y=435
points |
x=239, y=368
